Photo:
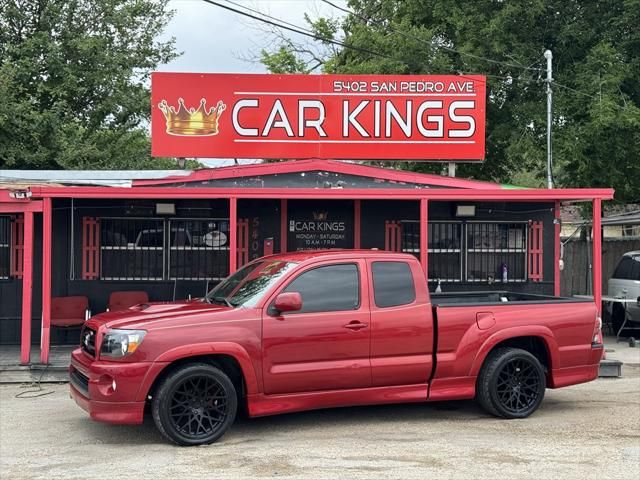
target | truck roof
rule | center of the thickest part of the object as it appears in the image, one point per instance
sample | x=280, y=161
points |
x=305, y=255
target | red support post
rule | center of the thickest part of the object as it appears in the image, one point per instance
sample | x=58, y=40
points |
x=283, y=225
x=597, y=253
x=45, y=337
x=233, y=235
x=356, y=223
x=27, y=284
x=424, y=236
x=556, y=250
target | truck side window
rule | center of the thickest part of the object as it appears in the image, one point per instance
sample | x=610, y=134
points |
x=328, y=289
x=392, y=284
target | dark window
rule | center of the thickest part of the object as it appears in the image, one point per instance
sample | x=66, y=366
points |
x=445, y=251
x=471, y=252
x=445, y=248
x=392, y=284
x=328, y=289
x=131, y=249
x=163, y=249
x=199, y=249
x=494, y=246
x=628, y=268
x=5, y=234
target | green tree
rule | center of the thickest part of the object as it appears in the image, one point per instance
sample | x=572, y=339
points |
x=596, y=47
x=74, y=78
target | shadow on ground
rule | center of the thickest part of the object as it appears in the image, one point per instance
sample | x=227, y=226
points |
x=352, y=418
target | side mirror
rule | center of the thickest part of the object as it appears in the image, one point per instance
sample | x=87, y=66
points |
x=288, y=302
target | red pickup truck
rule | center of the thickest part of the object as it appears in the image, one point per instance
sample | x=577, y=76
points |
x=308, y=330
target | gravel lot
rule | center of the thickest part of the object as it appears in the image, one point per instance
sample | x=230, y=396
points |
x=587, y=431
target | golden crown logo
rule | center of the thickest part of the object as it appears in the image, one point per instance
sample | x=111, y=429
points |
x=320, y=216
x=189, y=121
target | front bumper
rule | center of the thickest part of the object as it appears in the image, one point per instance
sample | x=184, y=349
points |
x=92, y=382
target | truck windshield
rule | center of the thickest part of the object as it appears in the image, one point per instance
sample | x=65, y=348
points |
x=246, y=286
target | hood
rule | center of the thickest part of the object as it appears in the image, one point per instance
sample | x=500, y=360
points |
x=147, y=315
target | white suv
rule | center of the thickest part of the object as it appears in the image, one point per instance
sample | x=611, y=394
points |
x=625, y=283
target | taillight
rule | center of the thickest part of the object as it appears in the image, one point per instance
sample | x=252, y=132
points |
x=597, y=338
x=597, y=331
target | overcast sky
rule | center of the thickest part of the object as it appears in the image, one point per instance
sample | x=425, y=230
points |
x=216, y=40
x=213, y=39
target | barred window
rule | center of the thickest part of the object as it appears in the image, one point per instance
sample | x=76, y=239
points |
x=164, y=249
x=445, y=248
x=494, y=247
x=471, y=251
x=199, y=249
x=445, y=251
x=5, y=247
x=132, y=249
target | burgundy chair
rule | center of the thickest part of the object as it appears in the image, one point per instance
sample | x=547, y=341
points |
x=69, y=312
x=124, y=300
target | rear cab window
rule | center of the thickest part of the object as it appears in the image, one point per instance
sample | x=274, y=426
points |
x=393, y=284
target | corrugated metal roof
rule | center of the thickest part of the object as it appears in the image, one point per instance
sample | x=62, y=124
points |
x=111, y=178
x=628, y=218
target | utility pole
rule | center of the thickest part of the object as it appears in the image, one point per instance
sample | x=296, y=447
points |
x=549, y=56
x=451, y=169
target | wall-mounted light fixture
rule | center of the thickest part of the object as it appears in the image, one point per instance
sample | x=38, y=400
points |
x=465, y=211
x=20, y=194
x=165, y=208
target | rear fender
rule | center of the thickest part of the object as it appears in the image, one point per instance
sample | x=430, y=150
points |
x=508, y=333
x=214, y=348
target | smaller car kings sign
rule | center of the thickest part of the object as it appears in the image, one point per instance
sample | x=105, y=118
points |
x=394, y=117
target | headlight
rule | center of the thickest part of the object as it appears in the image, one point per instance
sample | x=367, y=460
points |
x=120, y=343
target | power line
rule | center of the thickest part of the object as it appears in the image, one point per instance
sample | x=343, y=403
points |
x=279, y=23
x=271, y=17
x=302, y=31
x=594, y=97
x=574, y=90
x=299, y=31
x=413, y=37
x=430, y=43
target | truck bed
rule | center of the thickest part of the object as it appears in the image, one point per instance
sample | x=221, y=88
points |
x=499, y=297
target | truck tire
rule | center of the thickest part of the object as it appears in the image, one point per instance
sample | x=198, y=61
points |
x=194, y=405
x=511, y=383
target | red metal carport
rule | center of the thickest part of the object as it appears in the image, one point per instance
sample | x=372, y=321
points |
x=38, y=199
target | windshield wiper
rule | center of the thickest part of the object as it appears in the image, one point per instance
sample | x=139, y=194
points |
x=223, y=301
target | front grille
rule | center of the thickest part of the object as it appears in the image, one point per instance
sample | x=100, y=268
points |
x=80, y=382
x=88, y=341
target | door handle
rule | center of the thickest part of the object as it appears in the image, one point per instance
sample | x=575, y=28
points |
x=356, y=325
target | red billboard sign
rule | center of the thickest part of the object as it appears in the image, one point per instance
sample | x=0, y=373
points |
x=394, y=117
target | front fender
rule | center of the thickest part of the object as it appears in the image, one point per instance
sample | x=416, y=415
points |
x=210, y=348
x=530, y=331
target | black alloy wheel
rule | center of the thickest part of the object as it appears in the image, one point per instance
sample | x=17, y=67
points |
x=195, y=405
x=512, y=383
